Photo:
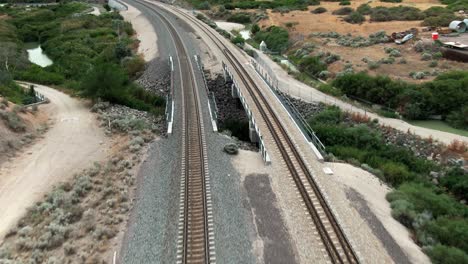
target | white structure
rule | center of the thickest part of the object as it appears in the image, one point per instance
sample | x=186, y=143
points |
x=263, y=46
x=458, y=26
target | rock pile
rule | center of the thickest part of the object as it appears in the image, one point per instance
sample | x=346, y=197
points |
x=229, y=108
x=119, y=118
x=156, y=77
x=422, y=148
x=306, y=109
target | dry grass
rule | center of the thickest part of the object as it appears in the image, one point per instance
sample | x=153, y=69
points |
x=458, y=146
x=310, y=23
x=359, y=118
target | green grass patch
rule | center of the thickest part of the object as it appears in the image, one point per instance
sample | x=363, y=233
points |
x=438, y=125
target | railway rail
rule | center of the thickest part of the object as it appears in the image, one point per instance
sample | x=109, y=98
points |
x=332, y=236
x=195, y=231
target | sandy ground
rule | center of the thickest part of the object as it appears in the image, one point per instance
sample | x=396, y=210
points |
x=229, y=26
x=373, y=191
x=326, y=22
x=95, y=11
x=73, y=143
x=298, y=89
x=145, y=32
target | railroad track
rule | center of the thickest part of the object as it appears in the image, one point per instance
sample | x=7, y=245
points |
x=195, y=231
x=336, y=244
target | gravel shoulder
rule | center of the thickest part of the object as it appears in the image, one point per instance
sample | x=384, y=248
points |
x=73, y=142
x=145, y=32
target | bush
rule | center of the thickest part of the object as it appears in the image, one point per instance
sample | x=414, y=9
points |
x=311, y=65
x=276, y=38
x=238, y=40
x=395, y=53
x=40, y=75
x=345, y=2
x=343, y=11
x=355, y=18
x=364, y=9
x=242, y=18
x=328, y=89
x=372, y=65
x=442, y=20
x=133, y=65
x=203, y=6
x=441, y=254
x=395, y=173
x=13, y=121
x=426, y=56
x=389, y=60
x=255, y=28
x=331, y=58
x=433, y=64
x=459, y=119
x=319, y=10
x=401, y=13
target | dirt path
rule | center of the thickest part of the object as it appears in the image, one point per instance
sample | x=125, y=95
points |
x=144, y=30
x=73, y=143
x=298, y=89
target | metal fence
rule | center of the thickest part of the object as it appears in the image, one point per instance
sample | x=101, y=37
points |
x=273, y=83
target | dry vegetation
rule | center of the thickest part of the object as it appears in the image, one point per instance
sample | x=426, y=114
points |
x=307, y=23
x=78, y=219
x=19, y=127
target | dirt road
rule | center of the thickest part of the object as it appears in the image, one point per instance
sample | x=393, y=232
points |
x=73, y=143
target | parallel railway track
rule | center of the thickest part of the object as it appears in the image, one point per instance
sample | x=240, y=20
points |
x=195, y=231
x=338, y=247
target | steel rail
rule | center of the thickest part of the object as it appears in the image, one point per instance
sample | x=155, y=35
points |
x=195, y=236
x=341, y=253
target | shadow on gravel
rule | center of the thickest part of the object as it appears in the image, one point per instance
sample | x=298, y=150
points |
x=277, y=247
x=377, y=228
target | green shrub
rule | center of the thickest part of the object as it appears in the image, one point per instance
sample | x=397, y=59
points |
x=203, y=6
x=238, y=40
x=243, y=18
x=441, y=254
x=329, y=89
x=395, y=173
x=255, y=28
x=345, y=2
x=343, y=11
x=395, y=53
x=311, y=65
x=426, y=56
x=400, y=13
x=459, y=119
x=355, y=18
x=364, y=9
x=276, y=38
x=40, y=75
x=372, y=65
x=133, y=65
x=319, y=10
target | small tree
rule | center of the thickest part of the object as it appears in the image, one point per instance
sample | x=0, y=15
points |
x=255, y=28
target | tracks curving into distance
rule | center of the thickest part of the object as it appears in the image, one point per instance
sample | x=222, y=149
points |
x=336, y=244
x=195, y=231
